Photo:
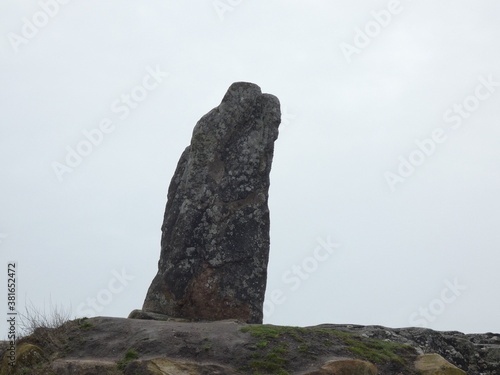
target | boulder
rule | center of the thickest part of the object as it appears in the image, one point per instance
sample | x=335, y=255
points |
x=215, y=233
x=346, y=367
x=26, y=356
x=434, y=364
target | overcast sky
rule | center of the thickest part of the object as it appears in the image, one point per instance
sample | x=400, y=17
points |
x=384, y=187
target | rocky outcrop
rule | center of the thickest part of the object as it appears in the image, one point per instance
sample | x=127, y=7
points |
x=215, y=233
x=84, y=367
x=111, y=346
x=162, y=366
x=476, y=354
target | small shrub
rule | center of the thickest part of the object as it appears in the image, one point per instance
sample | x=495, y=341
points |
x=83, y=323
x=129, y=356
x=34, y=318
x=207, y=346
x=44, y=328
x=262, y=344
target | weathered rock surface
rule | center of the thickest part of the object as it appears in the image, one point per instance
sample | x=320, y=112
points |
x=476, y=354
x=434, y=364
x=84, y=367
x=162, y=366
x=346, y=367
x=141, y=314
x=99, y=345
x=215, y=233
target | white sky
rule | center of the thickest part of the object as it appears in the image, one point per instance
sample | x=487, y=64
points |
x=346, y=124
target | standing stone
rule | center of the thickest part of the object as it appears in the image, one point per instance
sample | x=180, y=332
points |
x=215, y=233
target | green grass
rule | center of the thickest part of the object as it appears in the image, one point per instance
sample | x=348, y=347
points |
x=274, y=332
x=304, y=348
x=83, y=323
x=272, y=363
x=129, y=356
x=377, y=351
x=273, y=356
x=207, y=346
x=262, y=344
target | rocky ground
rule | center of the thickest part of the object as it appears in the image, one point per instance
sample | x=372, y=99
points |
x=475, y=353
x=113, y=346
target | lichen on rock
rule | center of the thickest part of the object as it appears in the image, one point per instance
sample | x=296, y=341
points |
x=26, y=357
x=215, y=234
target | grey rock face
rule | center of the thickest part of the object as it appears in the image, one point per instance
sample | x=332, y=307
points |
x=215, y=233
x=477, y=354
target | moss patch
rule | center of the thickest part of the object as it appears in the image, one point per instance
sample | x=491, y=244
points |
x=207, y=344
x=129, y=356
x=274, y=345
x=83, y=323
x=28, y=356
x=274, y=332
x=273, y=362
x=378, y=351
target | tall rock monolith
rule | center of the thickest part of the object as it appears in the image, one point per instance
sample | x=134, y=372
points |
x=215, y=233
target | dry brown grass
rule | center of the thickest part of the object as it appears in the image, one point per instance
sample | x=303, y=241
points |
x=34, y=318
x=44, y=327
